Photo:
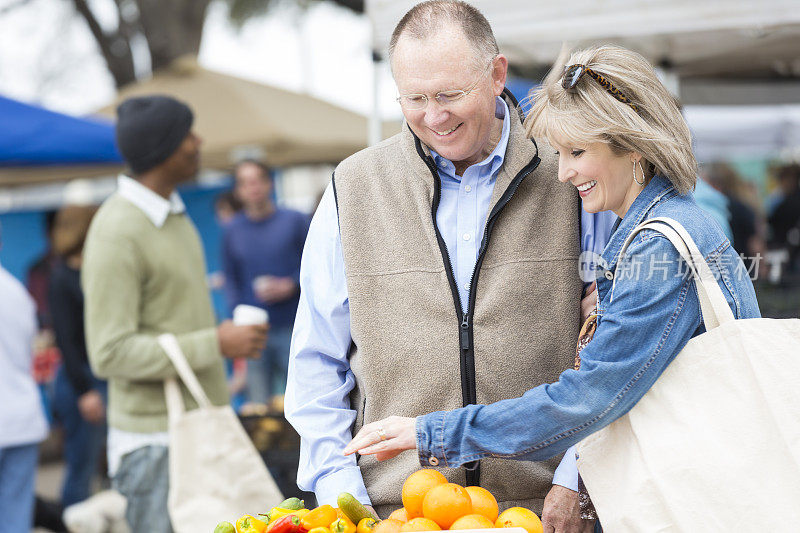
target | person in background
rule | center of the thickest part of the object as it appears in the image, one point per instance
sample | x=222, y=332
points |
x=38, y=276
x=226, y=207
x=715, y=204
x=46, y=357
x=22, y=421
x=261, y=253
x=79, y=397
x=747, y=227
x=143, y=275
x=784, y=220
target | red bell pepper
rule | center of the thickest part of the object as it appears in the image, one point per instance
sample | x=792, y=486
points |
x=287, y=524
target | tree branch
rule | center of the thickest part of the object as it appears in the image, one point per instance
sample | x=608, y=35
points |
x=114, y=48
x=355, y=5
x=102, y=39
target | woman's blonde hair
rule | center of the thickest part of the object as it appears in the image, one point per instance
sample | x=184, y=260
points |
x=587, y=113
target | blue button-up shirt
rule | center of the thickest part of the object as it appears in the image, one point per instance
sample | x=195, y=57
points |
x=464, y=206
x=321, y=413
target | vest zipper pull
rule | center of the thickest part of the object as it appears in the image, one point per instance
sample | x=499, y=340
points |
x=464, y=337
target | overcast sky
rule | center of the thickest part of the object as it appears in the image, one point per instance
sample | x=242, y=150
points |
x=48, y=56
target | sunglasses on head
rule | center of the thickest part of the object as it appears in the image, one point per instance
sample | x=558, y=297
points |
x=573, y=73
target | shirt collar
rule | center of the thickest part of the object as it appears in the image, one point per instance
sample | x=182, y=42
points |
x=153, y=205
x=494, y=160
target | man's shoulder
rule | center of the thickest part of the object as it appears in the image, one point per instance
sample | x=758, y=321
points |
x=116, y=218
x=115, y=207
x=372, y=156
x=545, y=151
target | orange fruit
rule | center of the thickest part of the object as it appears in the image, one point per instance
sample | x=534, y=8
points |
x=390, y=525
x=415, y=487
x=472, y=521
x=420, y=524
x=446, y=503
x=520, y=517
x=483, y=503
x=399, y=514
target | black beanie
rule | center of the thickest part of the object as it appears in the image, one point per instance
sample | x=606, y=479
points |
x=150, y=129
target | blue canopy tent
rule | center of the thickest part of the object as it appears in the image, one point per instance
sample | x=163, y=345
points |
x=38, y=145
x=33, y=136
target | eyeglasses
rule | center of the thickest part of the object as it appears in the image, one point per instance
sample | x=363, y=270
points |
x=573, y=73
x=417, y=101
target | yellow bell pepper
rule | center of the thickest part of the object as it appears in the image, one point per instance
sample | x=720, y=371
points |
x=365, y=525
x=322, y=516
x=250, y=524
x=340, y=514
x=342, y=525
x=320, y=530
x=277, y=513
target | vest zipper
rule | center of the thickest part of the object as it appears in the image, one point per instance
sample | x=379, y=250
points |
x=467, y=355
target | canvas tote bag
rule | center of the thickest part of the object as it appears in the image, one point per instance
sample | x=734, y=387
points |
x=215, y=472
x=714, y=445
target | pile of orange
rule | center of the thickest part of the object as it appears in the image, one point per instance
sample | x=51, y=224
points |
x=430, y=503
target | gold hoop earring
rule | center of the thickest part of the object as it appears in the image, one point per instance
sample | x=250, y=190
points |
x=634, y=173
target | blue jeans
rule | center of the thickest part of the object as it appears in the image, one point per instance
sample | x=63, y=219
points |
x=266, y=376
x=83, y=441
x=17, y=477
x=143, y=478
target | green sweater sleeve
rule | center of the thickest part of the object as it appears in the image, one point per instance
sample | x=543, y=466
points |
x=112, y=279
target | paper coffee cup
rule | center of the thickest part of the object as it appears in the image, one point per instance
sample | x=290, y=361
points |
x=249, y=315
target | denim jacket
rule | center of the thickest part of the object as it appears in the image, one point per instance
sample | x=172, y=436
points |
x=654, y=312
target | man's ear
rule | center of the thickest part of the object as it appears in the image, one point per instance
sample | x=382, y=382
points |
x=499, y=74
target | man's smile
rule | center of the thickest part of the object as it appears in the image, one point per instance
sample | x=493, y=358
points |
x=445, y=133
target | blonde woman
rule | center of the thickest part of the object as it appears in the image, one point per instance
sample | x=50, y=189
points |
x=623, y=144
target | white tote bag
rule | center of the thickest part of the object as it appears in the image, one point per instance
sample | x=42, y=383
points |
x=714, y=445
x=215, y=472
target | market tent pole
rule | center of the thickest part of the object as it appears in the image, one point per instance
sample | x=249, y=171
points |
x=375, y=133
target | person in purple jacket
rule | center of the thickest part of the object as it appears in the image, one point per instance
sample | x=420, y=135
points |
x=261, y=253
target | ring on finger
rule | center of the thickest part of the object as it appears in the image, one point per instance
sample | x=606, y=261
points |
x=381, y=433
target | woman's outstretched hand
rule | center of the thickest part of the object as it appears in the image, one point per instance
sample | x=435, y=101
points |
x=385, y=438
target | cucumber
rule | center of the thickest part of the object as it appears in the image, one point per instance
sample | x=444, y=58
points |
x=292, y=504
x=353, y=509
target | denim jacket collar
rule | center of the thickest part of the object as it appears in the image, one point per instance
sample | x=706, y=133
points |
x=655, y=191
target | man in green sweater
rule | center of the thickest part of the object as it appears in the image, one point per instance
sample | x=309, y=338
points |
x=144, y=275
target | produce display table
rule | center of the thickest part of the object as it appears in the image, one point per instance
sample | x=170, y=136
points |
x=279, y=446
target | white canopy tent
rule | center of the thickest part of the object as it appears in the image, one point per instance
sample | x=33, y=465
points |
x=723, y=54
x=732, y=39
x=744, y=132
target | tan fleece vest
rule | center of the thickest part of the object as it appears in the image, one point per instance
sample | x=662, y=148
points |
x=406, y=354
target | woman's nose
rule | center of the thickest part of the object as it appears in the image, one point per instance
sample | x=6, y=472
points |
x=564, y=173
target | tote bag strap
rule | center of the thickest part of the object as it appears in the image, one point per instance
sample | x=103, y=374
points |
x=170, y=345
x=713, y=305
